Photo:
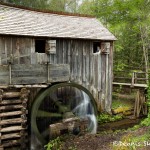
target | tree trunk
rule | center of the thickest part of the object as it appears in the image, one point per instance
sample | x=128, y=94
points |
x=144, y=37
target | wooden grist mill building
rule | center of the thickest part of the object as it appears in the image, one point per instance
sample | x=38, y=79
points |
x=43, y=56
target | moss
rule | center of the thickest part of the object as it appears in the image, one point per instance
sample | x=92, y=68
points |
x=104, y=118
x=121, y=103
x=121, y=109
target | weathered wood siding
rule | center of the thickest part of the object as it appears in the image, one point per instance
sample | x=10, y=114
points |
x=20, y=50
x=25, y=74
x=92, y=70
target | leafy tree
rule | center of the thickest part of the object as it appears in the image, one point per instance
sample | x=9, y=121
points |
x=129, y=21
x=56, y=5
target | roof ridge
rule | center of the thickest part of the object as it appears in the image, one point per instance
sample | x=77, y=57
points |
x=46, y=10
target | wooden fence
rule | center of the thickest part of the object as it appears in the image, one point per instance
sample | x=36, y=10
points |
x=131, y=78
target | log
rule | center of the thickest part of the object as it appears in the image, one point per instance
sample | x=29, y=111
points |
x=10, y=129
x=24, y=94
x=11, y=94
x=1, y=147
x=12, y=121
x=11, y=143
x=3, y=86
x=10, y=107
x=13, y=113
x=68, y=125
x=10, y=136
x=8, y=102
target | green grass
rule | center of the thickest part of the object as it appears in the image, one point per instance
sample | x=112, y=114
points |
x=104, y=118
x=121, y=103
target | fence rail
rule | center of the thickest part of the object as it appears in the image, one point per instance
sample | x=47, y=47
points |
x=130, y=78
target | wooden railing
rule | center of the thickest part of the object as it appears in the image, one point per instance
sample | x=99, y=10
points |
x=137, y=76
x=131, y=78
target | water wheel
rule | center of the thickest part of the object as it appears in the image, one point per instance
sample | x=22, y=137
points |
x=57, y=102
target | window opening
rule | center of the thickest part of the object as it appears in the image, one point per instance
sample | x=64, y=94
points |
x=40, y=46
x=96, y=47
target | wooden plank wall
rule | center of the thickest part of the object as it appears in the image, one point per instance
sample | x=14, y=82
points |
x=23, y=74
x=94, y=71
x=20, y=50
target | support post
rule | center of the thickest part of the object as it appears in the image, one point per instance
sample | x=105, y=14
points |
x=132, y=82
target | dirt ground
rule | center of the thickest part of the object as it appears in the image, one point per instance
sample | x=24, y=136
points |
x=107, y=141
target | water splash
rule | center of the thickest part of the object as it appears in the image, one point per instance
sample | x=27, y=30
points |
x=84, y=109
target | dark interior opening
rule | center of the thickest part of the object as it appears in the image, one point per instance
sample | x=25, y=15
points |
x=96, y=47
x=40, y=46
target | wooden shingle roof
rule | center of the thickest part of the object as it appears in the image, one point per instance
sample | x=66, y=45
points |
x=24, y=22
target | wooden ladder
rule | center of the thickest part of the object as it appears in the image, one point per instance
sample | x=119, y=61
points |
x=13, y=118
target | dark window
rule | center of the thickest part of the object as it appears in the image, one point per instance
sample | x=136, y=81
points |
x=96, y=47
x=40, y=46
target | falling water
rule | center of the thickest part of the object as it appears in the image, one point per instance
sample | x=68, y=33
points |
x=85, y=109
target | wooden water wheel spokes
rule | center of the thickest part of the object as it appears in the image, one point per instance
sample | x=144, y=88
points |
x=42, y=113
x=53, y=105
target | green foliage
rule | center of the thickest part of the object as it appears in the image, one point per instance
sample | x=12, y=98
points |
x=146, y=122
x=148, y=92
x=54, y=144
x=135, y=127
x=129, y=21
x=120, y=104
x=55, y=5
x=132, y=142
x=142, y=138
x=104, y=118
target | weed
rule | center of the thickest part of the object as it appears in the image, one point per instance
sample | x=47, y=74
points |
x=104, y=118
x=54, y=144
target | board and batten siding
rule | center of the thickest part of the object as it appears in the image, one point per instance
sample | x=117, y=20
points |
x=20, y=50
x=92, y=70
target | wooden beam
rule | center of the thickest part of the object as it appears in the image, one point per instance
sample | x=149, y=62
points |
x=9, y=102
x=11, y=129
x=10, y=136
x=129, y=85
x=11, y=143
x=11, y=94
x=10, y=107
x=12, y=121
x=13, y=113
x=25, y=74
